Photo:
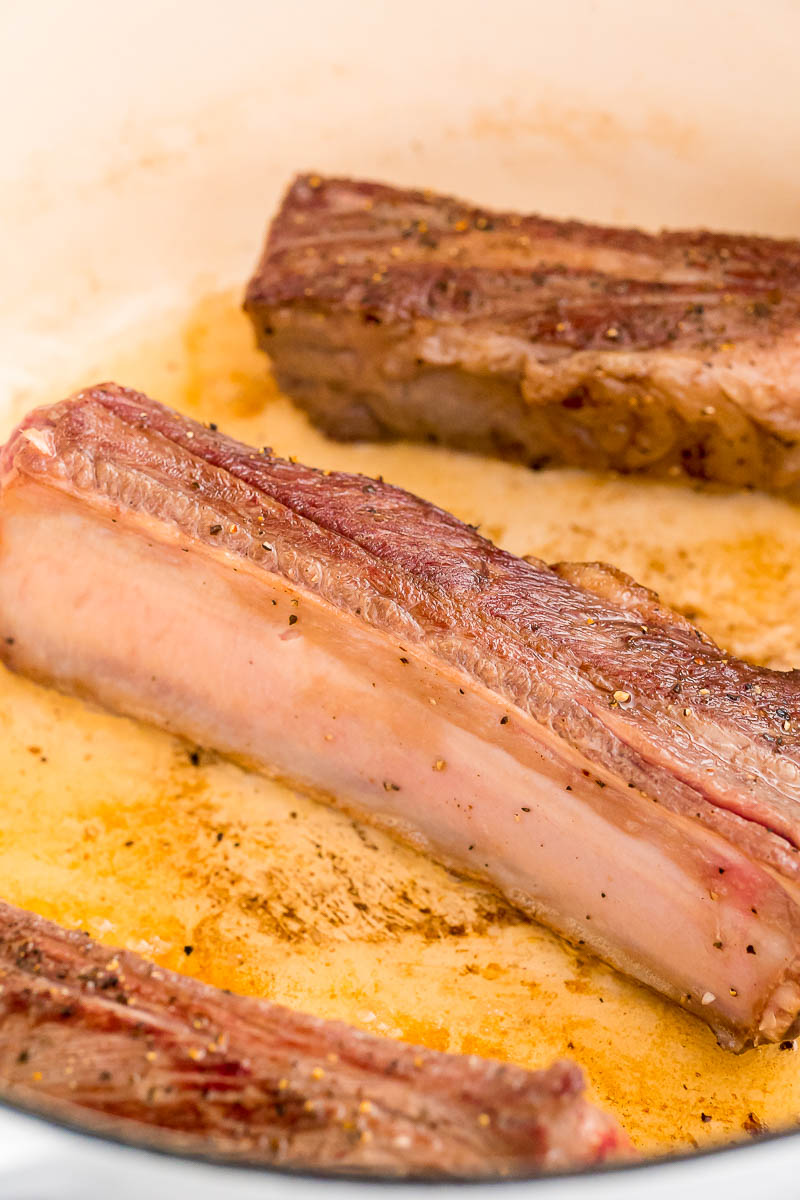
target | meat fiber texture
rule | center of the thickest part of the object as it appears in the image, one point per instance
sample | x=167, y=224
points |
x=554, y=731
x=390, y=313
x=103, y=1038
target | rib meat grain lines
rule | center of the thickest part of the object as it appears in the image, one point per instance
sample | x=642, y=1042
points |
x=277, y=896
x=101, y=1036
x=391, y=313
x=554, y=731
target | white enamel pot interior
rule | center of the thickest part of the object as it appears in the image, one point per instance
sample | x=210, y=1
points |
x=143, y=147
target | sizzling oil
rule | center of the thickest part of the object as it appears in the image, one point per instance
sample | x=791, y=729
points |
x=121, y=830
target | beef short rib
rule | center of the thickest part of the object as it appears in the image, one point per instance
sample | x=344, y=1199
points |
x=554, y=731
x=102, y=1038
x=390, y=313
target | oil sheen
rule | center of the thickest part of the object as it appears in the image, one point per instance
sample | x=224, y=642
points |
x=147, y=843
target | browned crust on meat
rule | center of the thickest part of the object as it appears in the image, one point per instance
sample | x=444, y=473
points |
x=579, y=656
x=557, y=643
x=686, y=343
x=102, y=1037
x=410, y=254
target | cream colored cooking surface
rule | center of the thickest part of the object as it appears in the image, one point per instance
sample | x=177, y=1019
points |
x=125, y=832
